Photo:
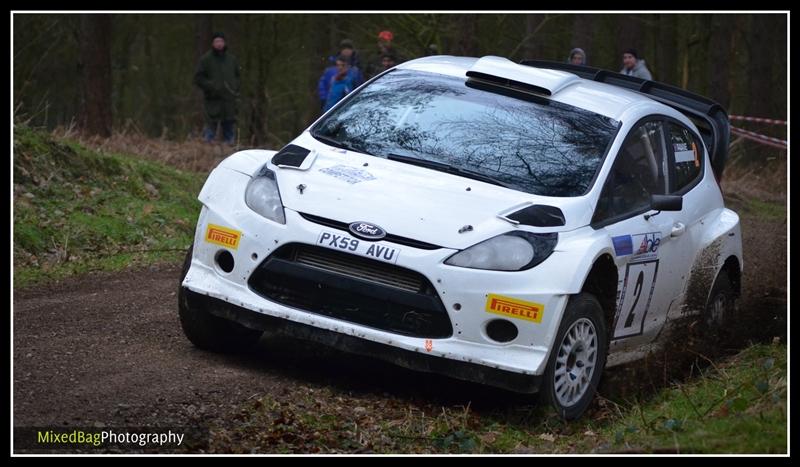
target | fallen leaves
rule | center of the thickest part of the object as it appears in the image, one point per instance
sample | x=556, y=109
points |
x=547, y=437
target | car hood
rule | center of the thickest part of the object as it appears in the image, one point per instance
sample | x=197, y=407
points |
x=408, y=200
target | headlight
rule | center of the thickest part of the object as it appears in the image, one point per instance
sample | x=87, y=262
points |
x=263, y=197
x=513, y=251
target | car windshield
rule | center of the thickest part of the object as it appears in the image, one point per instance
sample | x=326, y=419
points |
x=523, y=142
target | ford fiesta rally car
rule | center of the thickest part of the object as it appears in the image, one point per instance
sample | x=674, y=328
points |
x=518, y=225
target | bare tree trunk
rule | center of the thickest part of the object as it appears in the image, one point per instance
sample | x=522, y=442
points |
x=333, y=35
x=667, y=49
x=689, y=39
x=533, y=46
x=468, y=30
x=129, y=26
x=760, y=73
x=258, y=125
x=202, y=34
x=95, y=69
x=322, y=50
x=203, y=30
x=720, y=58
x=630, y=35
x=582, y=32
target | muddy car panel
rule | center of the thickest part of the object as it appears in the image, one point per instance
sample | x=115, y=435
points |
x=658, y=255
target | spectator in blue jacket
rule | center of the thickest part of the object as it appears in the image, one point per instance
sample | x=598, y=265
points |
x=324, y=84
x=353, y=60
x=342, y=83
x=348, y=52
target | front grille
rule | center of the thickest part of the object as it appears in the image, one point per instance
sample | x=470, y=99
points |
x=354, y=289
x=389, y=237
x=353, y=266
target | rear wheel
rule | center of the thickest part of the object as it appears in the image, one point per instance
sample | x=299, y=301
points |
x=208, y=331
x=577, y=359
x=720, y=308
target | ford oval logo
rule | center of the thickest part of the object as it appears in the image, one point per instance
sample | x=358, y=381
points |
x=367, y=231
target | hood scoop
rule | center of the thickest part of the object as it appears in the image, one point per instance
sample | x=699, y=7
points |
x=504, y=72
x=537, y=215
x=294, y=157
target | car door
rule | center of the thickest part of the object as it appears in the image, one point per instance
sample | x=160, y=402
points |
x=686, y=162
x=647, y=254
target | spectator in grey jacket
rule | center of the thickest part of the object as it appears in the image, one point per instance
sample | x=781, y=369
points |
x=577, y=56
x=633, y=66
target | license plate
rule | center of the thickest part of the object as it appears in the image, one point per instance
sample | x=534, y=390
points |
x=342, y=242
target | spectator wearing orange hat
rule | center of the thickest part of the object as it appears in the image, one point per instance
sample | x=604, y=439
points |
x=385, y=47
x=385, y=36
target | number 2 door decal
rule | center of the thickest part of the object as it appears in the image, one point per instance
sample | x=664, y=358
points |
x=634, y=301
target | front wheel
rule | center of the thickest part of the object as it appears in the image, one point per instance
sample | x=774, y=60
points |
x=578, y=357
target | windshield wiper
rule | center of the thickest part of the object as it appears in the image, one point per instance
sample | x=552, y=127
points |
x=331, y=141
x=442, y=167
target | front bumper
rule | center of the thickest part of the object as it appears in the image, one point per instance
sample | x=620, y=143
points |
x=419, y=361
x=464, y=293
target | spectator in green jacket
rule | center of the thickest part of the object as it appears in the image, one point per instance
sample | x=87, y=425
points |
x=218, y=75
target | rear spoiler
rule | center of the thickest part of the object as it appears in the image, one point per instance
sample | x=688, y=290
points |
x=710, y=118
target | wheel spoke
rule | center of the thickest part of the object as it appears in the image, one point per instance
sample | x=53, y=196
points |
x=562, y=359
x=560, y=386
x=561, y=391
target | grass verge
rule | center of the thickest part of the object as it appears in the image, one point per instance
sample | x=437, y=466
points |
x=78, y=210
x=736, y=406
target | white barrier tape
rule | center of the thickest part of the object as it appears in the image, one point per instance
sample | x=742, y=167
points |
x=771, y=121
x=758, y=135
x=759, y=138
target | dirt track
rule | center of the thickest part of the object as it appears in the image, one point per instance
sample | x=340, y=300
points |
x=108, y=350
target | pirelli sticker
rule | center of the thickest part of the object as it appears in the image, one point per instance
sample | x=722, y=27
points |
x=514, y=308
x=223, y=236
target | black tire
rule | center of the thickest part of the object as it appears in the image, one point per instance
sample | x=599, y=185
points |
x=720, y=309
x=205, y=330
x=583, y=306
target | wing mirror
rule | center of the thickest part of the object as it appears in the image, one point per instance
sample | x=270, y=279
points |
x=664, y=203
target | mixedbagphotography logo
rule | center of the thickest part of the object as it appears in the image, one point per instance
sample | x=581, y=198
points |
x=108, y=438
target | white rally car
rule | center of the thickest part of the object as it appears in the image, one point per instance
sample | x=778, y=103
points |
x=518, y=225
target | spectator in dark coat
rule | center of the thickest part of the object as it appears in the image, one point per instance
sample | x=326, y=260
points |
x=219, y=76
x=387, y=61
x=385, y=47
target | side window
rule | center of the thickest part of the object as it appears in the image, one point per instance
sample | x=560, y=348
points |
x=638, y=171
x=688, y=156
